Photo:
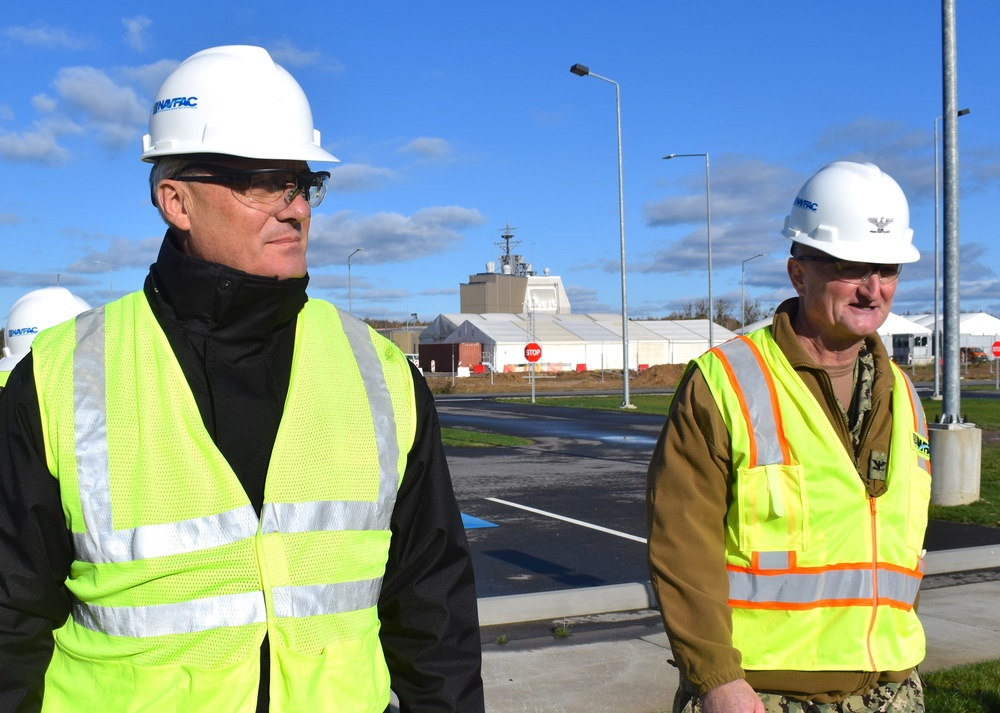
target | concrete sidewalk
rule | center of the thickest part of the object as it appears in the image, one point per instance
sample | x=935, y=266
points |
x=626, y=669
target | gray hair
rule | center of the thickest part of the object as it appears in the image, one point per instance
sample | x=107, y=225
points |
x=166, y=167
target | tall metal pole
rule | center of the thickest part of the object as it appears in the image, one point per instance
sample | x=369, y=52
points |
x=350, y=297
x=951, y=406
x=743, y=297
x=583, y=71
x=111, y=278
x=937, y=259
x=708, y=229
x=937, y=263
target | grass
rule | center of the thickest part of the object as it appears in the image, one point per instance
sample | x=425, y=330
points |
x=657, y=404
x=465, y=438
x=964, y=689
x=561, y=631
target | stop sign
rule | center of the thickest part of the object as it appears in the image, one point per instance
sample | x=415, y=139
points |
x=996, y=349
x=532, y=352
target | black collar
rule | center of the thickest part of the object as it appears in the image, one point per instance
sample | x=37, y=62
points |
x=207, y=297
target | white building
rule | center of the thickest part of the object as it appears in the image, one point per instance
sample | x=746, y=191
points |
x=906, y=340
x=574, y=342
x=975, y=329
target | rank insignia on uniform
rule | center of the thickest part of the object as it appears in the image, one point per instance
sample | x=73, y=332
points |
x=877, y=465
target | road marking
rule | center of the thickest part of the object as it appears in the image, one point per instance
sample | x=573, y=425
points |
x=475, y=523
x=570, y=520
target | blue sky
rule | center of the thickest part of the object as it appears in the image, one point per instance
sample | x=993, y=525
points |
x=454, y=119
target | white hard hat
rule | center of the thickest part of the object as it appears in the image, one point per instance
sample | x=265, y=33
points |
x=33, y=312
x=235, y=101
x=853, y=211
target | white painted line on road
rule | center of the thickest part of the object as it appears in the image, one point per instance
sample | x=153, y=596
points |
x=570, y=520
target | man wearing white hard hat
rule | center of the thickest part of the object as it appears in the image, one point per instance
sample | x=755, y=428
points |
x=218, y=494
x=788, y=492
x=33, y=312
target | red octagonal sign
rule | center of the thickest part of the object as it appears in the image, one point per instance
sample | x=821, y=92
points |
x=532, y=352
x=996, y=349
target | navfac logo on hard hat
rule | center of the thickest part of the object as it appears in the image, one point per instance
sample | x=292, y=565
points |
x=808, y=205
x=21, y=331
x=175, y=103
x=880, y=224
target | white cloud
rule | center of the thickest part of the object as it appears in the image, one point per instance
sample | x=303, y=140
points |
x=288, y=55
x=39, y=144
x=355, y=177
x=388, y=237
x=44, y=103
x=42, y=35
x=115, y=111
x=135, y=31
x=429, y=148
x=122, y=253
x=149, y=77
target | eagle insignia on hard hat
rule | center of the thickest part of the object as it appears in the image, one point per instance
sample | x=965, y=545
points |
x=880, y=223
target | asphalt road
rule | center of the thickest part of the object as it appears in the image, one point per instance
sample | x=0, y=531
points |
x=569, y=510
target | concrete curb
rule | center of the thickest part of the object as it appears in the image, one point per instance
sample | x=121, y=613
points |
x=963, y=560
x=585, y=601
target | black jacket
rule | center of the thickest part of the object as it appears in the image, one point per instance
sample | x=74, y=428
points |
x=233, y=336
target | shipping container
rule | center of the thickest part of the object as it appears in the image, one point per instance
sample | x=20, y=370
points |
x=448, y=357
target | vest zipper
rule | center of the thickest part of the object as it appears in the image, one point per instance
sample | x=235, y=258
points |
x=871, y=625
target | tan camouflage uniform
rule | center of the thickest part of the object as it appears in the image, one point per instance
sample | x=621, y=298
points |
x=905, y=697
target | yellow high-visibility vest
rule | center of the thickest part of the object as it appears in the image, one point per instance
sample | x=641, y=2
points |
x=822, y=577
x=176, y=580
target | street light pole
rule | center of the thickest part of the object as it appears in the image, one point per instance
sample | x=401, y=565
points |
x=743, y=298
x=937, y=259
x=584, y=71
x=111, y=280
x=350, y=297
x=708, y=230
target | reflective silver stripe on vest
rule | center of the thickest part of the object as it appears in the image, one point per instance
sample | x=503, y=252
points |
x=821, y=587
x=166, y=539
x=90, y=422
x=919, y=419
x=350, y=514
x=316, y=599
x=317, y=516
x=181, y=618
x=101, y=543
x=757, y=395
x=773, y=560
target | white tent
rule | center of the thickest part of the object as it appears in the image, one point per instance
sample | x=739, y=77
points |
x=906, y=340
x=574, y=341
x=975, y=329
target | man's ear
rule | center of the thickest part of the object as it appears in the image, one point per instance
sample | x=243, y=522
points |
x=796, y=274
x=174, y=200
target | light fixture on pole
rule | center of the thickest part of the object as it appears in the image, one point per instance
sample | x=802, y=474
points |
x=743, y=298
x=584, y=71
x=111, y=282
x=936, y=345
x=708, y=230
x=350, y=298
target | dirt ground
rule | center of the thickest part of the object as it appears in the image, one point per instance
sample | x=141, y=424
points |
x=661, y=376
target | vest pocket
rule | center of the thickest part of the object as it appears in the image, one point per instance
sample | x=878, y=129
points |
x=771, y=508
x=345, y=676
